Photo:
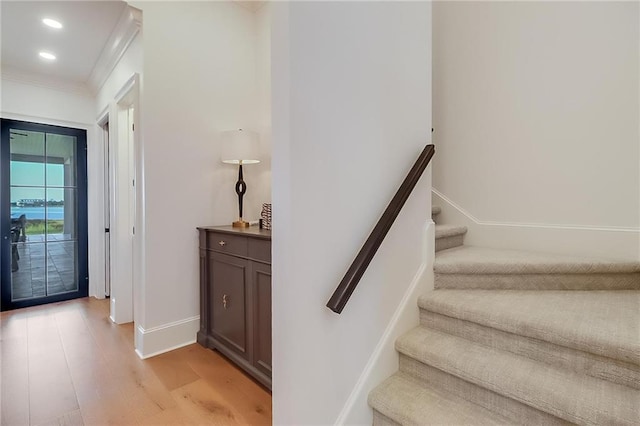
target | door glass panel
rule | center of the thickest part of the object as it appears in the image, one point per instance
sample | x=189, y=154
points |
x=61, y=267
x=28, y=212
x=29, y=277
x=27, y=158
x=28, y=267
x=60, y=214
x=61, y=160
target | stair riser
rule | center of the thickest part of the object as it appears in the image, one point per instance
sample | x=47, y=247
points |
x=581, y=362
x=575, y=398
x=513, y=410
x=382, y=420
x=449, y=242
x=629, y=281
x=408, y=401
x=463, y=309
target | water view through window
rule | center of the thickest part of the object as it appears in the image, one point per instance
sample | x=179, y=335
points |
x=34, y=208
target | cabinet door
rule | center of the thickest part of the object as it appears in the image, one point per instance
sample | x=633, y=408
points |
x=228, y=321
x=261, y=280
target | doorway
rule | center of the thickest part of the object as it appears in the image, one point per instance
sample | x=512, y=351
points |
x=43, y=214
x=125, y=261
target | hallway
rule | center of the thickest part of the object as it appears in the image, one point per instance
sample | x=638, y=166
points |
x=67, y=364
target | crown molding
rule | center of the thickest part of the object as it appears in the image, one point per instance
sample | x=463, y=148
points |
x=127, y=28
x=44, y=81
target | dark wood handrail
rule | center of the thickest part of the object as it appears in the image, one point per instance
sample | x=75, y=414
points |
x=351, y=279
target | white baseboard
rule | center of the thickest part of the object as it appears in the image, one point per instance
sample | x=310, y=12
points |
x=157, y=340
x=602, y=242
x=384, y=359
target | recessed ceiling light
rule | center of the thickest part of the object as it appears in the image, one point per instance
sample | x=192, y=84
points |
x=52, y=23
x=47, y=55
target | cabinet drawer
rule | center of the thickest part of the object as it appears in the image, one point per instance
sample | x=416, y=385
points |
x=225, y=243
x=260, y=250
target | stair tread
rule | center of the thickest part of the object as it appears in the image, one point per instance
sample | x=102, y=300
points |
x=410, y=402
x=605, y=323
x=435, y=210
x=482, y=260
x=444, y=231
x=573, y=397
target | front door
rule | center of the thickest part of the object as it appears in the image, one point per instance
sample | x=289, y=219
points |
x=43, y=214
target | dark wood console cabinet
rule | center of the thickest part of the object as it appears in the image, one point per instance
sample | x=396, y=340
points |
x=235, y=296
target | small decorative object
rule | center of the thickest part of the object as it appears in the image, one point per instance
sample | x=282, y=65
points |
x=265, y=216
x=240, y=147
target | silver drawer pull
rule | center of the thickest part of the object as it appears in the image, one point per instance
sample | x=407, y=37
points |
x=222, y=243
x=224, y=301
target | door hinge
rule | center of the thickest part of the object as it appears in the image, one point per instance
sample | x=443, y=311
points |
x=134, y=230
x=133, y=127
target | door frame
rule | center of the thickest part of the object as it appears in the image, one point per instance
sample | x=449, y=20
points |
x=103, y=167
x=81, y=219
x=126, y=248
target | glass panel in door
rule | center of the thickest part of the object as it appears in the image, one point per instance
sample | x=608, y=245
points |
x=44, y=217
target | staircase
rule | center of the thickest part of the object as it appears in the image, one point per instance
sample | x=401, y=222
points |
x=510, y=337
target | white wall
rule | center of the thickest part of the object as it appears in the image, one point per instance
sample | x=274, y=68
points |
x=51, y=105
x=260, y=192
x=536, y=114
x=200, y=65
x=351, y=108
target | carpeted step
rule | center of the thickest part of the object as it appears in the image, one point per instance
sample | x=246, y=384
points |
x=448, y=236
x=602, y=323
x=518, y=381
x=471, y=267
x=601, y=367
x=516, y=412
x=404, y=400
x=435, y=211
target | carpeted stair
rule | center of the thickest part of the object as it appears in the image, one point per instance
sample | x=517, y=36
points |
x=447, y=236
x=511, y=337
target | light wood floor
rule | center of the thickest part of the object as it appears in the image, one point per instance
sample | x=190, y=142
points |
x=67, y=364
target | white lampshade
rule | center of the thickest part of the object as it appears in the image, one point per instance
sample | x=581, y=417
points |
x=240, y=147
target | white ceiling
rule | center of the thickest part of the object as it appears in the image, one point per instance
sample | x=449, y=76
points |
x=87, y=27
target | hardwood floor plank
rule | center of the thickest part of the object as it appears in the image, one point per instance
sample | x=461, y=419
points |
x=73, y=418
x=14, y=371
x=14, y=396
x=252, y=399
x=172, y=370
x=170, y=417
x=206, y=405
x=51, y=391
x=68, y=364
x=114, y=410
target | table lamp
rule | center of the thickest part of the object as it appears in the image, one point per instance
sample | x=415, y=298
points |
x=240, y=147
